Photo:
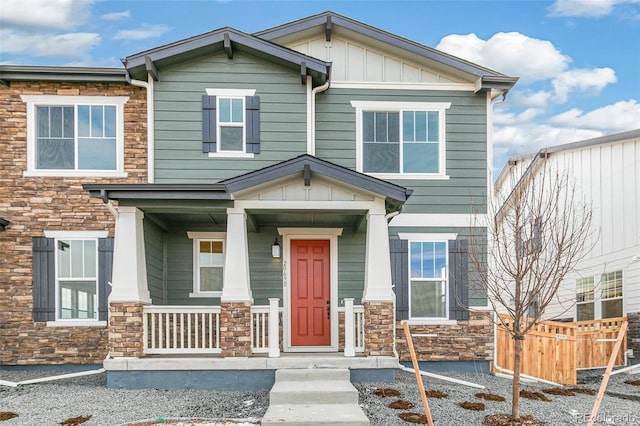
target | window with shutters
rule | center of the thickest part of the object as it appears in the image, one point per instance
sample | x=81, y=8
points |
x=209, y=250
x=428, y=280
x=71, y=274
x=75, y=135
x=231, y=123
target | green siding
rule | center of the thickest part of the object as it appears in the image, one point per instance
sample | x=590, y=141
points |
x=154, y=249
x=466, y=145
x=266, y=272
x=178, y=116
x=351, y=254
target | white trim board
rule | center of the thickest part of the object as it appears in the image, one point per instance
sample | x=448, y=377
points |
x=438, y=220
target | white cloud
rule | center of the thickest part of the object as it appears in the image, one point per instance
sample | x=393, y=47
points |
x=586, y=8
x=529, y=98
x=510, y=53
x=144, y=32
x=116, y=16
x=583, y=80
x=525, y=116
x=618, y=117
x=68, y=45
x=54, y=14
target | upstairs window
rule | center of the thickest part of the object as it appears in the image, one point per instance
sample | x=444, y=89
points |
x=75, y=135
x=230, y=123
x=399, y=138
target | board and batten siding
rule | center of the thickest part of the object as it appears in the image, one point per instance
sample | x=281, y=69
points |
x=178, y=116
x=466, y=145
x=608, y=177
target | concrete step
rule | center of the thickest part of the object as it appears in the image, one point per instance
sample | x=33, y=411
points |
x=313, y=392
x=315, y=415
x=307, y=374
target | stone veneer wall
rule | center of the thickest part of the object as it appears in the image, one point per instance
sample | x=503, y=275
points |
x=36, y=204
x=126, y=330
x=378, y=328
x=235, y=329
x=633, y=334
x=470, y=340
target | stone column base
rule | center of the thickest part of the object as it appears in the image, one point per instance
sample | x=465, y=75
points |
x=235, y=329
x=126, y=331
x=378, y=328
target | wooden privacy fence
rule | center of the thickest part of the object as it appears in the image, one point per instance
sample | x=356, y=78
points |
x=555, y=350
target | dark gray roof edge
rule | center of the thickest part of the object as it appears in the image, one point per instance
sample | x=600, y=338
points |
x=328, y=169
x=380, y=35
x=216, y=36
x=62, y=73
x=153, y=191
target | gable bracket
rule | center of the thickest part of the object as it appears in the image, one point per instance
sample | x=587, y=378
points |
x=151, y=68
x=303, y=72
x=327, y=29
x=227, y=46
x=306, y=174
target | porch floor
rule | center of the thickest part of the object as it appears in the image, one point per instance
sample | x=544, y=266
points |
x=255, y=362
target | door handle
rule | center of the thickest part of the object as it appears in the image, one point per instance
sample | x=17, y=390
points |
x=328, y=312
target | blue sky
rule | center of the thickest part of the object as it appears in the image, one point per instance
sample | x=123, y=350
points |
x=579, y=60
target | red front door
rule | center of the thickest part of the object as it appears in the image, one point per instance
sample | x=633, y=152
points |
x=310, y=293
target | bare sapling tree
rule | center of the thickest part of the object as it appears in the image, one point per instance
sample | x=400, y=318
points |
x=536, y=234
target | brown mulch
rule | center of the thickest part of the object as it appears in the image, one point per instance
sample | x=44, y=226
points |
x=583, y=391
x=490, y=397
x=633, y=382
x=435, y=394
x=414, y=418
x=536, y=396
x=507, y=420
x=401, y=405
x=384, y=392
x=559, y=391
x=7, y=415
x=74, y=421
x=474, y=406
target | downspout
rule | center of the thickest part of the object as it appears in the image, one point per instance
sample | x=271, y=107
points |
x=388, y=217
x=148, y=85
x=314, y=92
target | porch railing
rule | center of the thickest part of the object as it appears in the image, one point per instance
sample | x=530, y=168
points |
x=181, y=329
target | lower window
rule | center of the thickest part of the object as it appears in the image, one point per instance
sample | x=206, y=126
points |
x=76, y=279
x=612, y=294
x=208, y=263
x=428, y=280
x=584, y=299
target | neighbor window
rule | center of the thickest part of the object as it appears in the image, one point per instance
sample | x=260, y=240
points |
x=611, y=302
x=428, y=279
x=208, y=263
x=75, y=135
x=76, y=279
x=585, y=299
x=401, y=138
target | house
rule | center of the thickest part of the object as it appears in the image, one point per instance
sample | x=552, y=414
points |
x=268, y=200
x=606, y=282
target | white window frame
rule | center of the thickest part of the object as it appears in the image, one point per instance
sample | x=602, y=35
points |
x=608, y=299
x=444, y=319
x=231, y=94
x=205, y=236
x=400, y=107
x=75, y=235
x=34, y=101
x=586, y=302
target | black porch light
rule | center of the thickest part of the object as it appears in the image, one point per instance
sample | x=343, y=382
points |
x=275, y=249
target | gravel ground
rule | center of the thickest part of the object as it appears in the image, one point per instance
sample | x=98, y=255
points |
x=54, y=402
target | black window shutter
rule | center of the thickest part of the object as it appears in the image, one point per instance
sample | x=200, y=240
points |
x=44, y=280
x=209, y=120
x=105, y=265
x=252, y=105
x=399, y=250
x=458, y=280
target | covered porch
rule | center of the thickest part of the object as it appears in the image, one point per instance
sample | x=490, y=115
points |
x=287, y=265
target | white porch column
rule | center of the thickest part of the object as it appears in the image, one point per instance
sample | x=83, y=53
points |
x=377, y=275
x=349, y=330
x=129, y=278
x=236, y=286
x=274, y=328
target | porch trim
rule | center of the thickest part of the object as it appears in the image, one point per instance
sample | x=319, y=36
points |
x=289, y=234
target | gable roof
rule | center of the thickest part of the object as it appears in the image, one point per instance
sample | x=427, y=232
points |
x=326, y=21
x=395, y=195
x=224, y=39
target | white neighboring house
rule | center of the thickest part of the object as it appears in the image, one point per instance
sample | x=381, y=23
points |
x=606, y=283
